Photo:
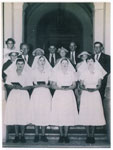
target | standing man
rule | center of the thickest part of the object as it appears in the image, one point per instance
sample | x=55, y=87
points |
x=104, y=60
x=24, y=48
x=73, y=55
x=52, y=57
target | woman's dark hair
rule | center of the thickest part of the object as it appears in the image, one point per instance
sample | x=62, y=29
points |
x=90, y=57
x=41, y=57
x=24, y=44
x=10, y=39
x=64, y=59
x=20, y=60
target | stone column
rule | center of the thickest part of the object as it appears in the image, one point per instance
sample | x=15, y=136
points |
x=99, y=22
x=107, y=41
x=102, y=25
x=17, y=12
x=8, y=21
x=102, y=34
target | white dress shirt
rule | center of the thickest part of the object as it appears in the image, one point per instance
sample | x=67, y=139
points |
x=50, y=57
x=26, y=57
x=72, y=54
x=97, y=56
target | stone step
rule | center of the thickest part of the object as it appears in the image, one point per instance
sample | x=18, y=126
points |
x=53, y=136
x=52, y=132
x=54, y=144
x=53, y=129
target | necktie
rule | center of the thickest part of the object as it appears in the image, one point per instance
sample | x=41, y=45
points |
x=72, y=58
x=52, y=60
x=97, y=56
x=25, y=58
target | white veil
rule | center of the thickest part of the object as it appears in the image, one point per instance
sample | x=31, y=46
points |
x=47, y=65
x=57, y=67
x=100, y=68
x=12, y=68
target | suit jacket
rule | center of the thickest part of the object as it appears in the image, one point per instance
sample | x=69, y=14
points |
x=56, y=56
x=30, y=59
x=5, y=66
x=76, y=56
x=104, y=60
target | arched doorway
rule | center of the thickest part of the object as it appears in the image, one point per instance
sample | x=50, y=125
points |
x=59, y=23
x=59, y=28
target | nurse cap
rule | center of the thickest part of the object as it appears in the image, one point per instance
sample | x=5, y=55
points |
x=38, y=50
x=62, y=49
x=83, y=53
x=14, y=51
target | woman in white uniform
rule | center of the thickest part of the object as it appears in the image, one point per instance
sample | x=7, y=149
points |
x=91, y=112
x=80, y=67
x=41, y=97
x=64, y=108
x=17, y=107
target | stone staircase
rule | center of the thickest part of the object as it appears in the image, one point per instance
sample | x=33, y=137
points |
x=76, y=134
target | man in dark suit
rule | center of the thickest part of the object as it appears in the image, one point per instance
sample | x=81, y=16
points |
x=104, y=60
x=73, y=53
x=52, y=56
x=25, y=49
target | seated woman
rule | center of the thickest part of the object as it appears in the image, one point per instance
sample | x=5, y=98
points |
x=17, y=107
x=91, y=112
x=41, y=97
x=64, y=109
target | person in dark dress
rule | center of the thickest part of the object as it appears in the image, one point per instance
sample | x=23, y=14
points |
x=13, y=56
x=104, y=60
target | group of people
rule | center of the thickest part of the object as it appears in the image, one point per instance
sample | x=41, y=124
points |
x=46, y=90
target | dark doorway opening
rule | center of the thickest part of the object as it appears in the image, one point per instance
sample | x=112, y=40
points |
x=58, y=24
x=59, y=28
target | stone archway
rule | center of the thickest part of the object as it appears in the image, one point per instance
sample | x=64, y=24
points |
x=40, y=24
x=59, y=27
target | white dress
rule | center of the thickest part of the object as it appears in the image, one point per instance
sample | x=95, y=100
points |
x=40, y=100
x=64, y=107
x=91, y=109
x=17, y=107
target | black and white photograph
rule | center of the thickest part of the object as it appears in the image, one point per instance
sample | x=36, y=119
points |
x=56, y=66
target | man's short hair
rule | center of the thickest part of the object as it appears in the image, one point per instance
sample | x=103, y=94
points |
x=99, y=43
x=24, y=44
